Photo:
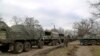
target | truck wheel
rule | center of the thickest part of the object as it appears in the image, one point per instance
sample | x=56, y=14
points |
x=40, y=44
x=11, y=47
x=85, y=42
x=93, y=42
x=58, y=42
x=18, y=47
x=27, y=46
x=50, y=44
x=82, y=44
x=55, y=42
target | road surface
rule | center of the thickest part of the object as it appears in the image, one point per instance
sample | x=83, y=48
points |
x=83, y=51
x=30, y=53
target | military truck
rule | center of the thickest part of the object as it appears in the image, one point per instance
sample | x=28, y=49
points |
x=51, y=38
x=90, y=39
x=18, y=39
x=62, y=37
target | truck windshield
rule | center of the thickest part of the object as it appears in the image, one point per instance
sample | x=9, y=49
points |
x=47, y=33
x=61, y=34
x=2, y=34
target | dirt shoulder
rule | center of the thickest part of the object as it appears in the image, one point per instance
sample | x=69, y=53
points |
x=95, y=50
x=65, y=51
x=83, y=51
x=45, y=51
x=32, y=52
x=73, y=49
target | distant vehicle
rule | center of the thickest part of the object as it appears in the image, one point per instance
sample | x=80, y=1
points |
x=52, y=38
x=91, y=39
x=18, y=39
x=62, y=37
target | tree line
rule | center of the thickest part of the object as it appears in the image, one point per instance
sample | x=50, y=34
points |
x=81, y=28
x=90, y=25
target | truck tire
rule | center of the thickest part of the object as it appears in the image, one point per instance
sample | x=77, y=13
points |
x=50, y=44
x=11, y=47
x=27, y=46
x=18, y=47
x=40, y=44
x=85, y=42
x=93, y=42
x=55, y=42
x=82, y=44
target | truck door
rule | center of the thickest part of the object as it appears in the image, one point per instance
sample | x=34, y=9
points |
x=2, y=34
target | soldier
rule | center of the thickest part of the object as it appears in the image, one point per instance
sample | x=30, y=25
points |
x=66, y=40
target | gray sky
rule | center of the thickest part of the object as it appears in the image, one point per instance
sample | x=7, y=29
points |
x=62, y=13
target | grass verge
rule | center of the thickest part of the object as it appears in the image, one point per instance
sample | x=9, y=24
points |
x=64, y=51
x=58, y=52
x=95, y=50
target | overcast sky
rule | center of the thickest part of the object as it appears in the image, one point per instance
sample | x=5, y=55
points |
x=61, y=13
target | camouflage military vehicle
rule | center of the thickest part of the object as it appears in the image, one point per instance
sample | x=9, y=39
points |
x=18, y=39
x=51, y=38
x=62, y=37
x=90, y=39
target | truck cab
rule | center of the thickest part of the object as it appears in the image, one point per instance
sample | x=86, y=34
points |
x=3, y=34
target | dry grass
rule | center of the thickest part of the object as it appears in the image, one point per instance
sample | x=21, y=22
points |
x=95, y=50
x=58, y=52
x=66, y=51
x=71, y=49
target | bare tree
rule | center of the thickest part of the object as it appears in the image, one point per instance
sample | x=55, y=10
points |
x=96, y=28
x=61, y=30
x=32, y=25
x=31, y=22
x=16, y=20
x=84, y=27
x=95, y=9
x=1, y=18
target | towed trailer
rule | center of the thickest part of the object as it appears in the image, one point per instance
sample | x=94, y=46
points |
x=91, y=39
